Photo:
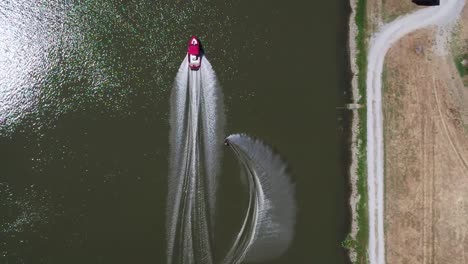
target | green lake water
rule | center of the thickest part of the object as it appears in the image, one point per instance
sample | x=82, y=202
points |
x=84, y=129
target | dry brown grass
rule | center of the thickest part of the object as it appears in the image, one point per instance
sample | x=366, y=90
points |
x=460, y=48
x=384, y=11
x=426, y=156
x=392, y=9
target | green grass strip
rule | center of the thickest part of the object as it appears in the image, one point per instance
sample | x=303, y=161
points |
x=359, y=245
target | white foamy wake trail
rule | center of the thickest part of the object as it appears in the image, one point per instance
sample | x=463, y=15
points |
x=380, y=43
x=268, y=226
x=197, y=128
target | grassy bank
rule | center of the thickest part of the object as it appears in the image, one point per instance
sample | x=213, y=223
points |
x=462, y=70
x=360, y=242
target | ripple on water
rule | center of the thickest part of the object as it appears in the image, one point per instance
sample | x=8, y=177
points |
x=65, y=68
x=115, y=57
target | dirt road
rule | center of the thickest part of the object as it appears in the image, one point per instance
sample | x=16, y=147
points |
x=380, y=44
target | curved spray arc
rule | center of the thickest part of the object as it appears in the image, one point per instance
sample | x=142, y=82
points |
x=197, y=128
x=268, y=226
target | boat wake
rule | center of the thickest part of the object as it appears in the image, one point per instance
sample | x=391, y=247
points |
x=268, y=226
x=197, y=130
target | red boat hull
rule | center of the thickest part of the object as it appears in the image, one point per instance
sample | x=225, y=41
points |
x=194, y=53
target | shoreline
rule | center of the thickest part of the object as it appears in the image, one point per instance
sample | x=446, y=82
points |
x=354, y=242
x=353, y=177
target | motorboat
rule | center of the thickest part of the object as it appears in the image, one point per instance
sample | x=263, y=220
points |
x=194, y=53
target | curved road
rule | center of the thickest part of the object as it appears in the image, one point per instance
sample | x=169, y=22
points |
x=380, y=43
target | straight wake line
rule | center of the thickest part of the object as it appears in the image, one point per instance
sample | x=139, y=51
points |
x=197, y=128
